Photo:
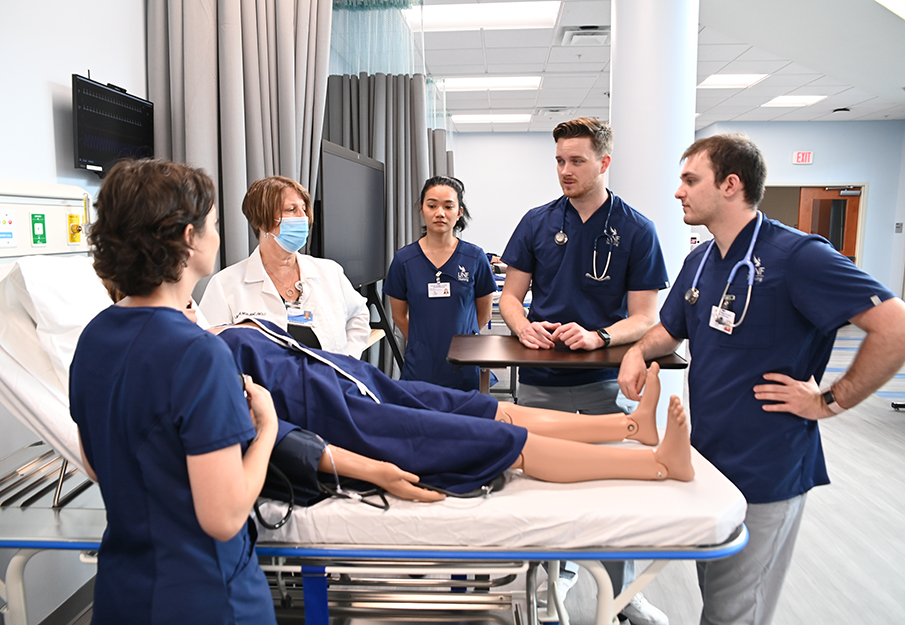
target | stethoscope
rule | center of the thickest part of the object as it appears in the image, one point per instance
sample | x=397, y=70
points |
x=693, y=294
x=561, y=238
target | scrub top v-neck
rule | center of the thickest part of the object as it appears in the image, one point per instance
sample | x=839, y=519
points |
x=441, y=304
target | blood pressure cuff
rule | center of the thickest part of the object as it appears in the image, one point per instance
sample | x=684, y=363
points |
x=296, y=455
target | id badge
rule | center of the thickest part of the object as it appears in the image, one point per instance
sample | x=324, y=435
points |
x=721, y=319
x=300, y=317
x=438, y=289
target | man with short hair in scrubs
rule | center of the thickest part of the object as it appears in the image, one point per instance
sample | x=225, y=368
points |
x=594, y=266
x=760, y=347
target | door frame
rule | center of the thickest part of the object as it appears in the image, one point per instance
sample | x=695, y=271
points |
x=862, y=211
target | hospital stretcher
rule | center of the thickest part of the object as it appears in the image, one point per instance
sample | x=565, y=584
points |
x=312, y=557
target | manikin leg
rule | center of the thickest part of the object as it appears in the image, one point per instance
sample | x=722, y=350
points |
x=555, y=460
x=640, y=426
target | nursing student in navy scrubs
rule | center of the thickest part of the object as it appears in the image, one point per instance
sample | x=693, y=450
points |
x=176, y=437
x=440, y=286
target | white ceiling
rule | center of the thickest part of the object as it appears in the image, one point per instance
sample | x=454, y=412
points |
x=853, y=51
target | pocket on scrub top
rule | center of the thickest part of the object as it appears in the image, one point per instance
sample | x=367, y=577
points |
x=758, y=329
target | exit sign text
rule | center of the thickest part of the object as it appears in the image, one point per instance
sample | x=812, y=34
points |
x=802, y=158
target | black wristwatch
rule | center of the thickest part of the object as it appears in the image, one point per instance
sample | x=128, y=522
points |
x=603, y=334
x=830, y=398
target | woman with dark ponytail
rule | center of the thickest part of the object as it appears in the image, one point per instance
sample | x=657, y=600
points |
x=440, y=286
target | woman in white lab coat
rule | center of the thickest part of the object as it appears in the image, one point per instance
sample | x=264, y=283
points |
x=310, y=297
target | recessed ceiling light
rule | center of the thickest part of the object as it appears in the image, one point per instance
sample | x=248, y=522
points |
x=792, y=101
x=492, y=118
x=896, y=6
x=490, y=16
x=731, y=81
x=492, y=83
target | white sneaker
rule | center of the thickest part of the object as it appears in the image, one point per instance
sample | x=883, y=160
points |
x=640, y=611
x=568, y=577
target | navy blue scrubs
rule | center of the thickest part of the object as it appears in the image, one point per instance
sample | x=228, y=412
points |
x=560, y=289
x=447, y=437
x=804, y=290
x=433, y=321
x=147, y=388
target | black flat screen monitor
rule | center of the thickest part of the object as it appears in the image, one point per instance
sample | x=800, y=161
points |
x=352, y=217
x=109, y=124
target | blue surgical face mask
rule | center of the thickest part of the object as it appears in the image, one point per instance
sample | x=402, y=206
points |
x=293, y=233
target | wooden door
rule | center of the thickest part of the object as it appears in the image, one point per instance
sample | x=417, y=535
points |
x=832, y=213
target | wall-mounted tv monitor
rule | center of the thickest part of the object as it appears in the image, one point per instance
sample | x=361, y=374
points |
x=351, y=222
x=109, y=124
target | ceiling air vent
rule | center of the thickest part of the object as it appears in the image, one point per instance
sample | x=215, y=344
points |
x=585, y=36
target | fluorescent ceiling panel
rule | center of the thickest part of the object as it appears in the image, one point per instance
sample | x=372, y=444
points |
x=731, y=81
x=489, y=16
x=498, y=118
x=794, y=101
x=492, y=83
x=896, y=6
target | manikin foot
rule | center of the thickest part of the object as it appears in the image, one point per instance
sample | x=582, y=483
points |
x=643, y=422
x=674, y=453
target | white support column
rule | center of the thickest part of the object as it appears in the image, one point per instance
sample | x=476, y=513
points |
x=653, y=74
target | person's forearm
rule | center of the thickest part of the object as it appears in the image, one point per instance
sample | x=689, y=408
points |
x=642, y=316
x=513, y=313
x=256, y=459
x=881, y=355
x=655, y=343
x=629, y=330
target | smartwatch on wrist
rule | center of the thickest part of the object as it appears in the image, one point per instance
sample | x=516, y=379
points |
x=605, y=336
x=830, y=398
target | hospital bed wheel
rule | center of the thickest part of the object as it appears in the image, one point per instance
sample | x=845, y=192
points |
x=286, y=602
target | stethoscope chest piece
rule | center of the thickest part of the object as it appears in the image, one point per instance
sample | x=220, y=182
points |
x=561, y=238
x=691, y=295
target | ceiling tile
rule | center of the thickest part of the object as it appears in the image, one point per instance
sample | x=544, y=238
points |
x=721, y=52
x=709, y=36
x=569, y=81
x=519, y=38
x=516, y=69
x=448, y=57
x=753, y=67
x=453, y=41
x=570, y=68
x=515, y=55
x=438, y=72
x=759, y=114
x=586, y=13
x=580, y=54
x=561, y=97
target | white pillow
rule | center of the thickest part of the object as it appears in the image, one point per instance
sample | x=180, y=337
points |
x=62, y=294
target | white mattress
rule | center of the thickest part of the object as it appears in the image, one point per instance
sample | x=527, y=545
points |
x=531, y=514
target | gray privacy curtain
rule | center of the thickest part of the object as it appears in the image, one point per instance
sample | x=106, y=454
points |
x=384, y=117
x=239, y=88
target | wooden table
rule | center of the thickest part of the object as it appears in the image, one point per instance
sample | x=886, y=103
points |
x=494, y=351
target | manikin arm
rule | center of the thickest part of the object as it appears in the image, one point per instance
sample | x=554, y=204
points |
x=383, y=474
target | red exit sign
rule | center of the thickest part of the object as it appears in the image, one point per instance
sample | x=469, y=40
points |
x=802, y=158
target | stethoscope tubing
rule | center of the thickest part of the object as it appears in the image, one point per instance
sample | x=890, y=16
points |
x=561, y=238
x=691, y=296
